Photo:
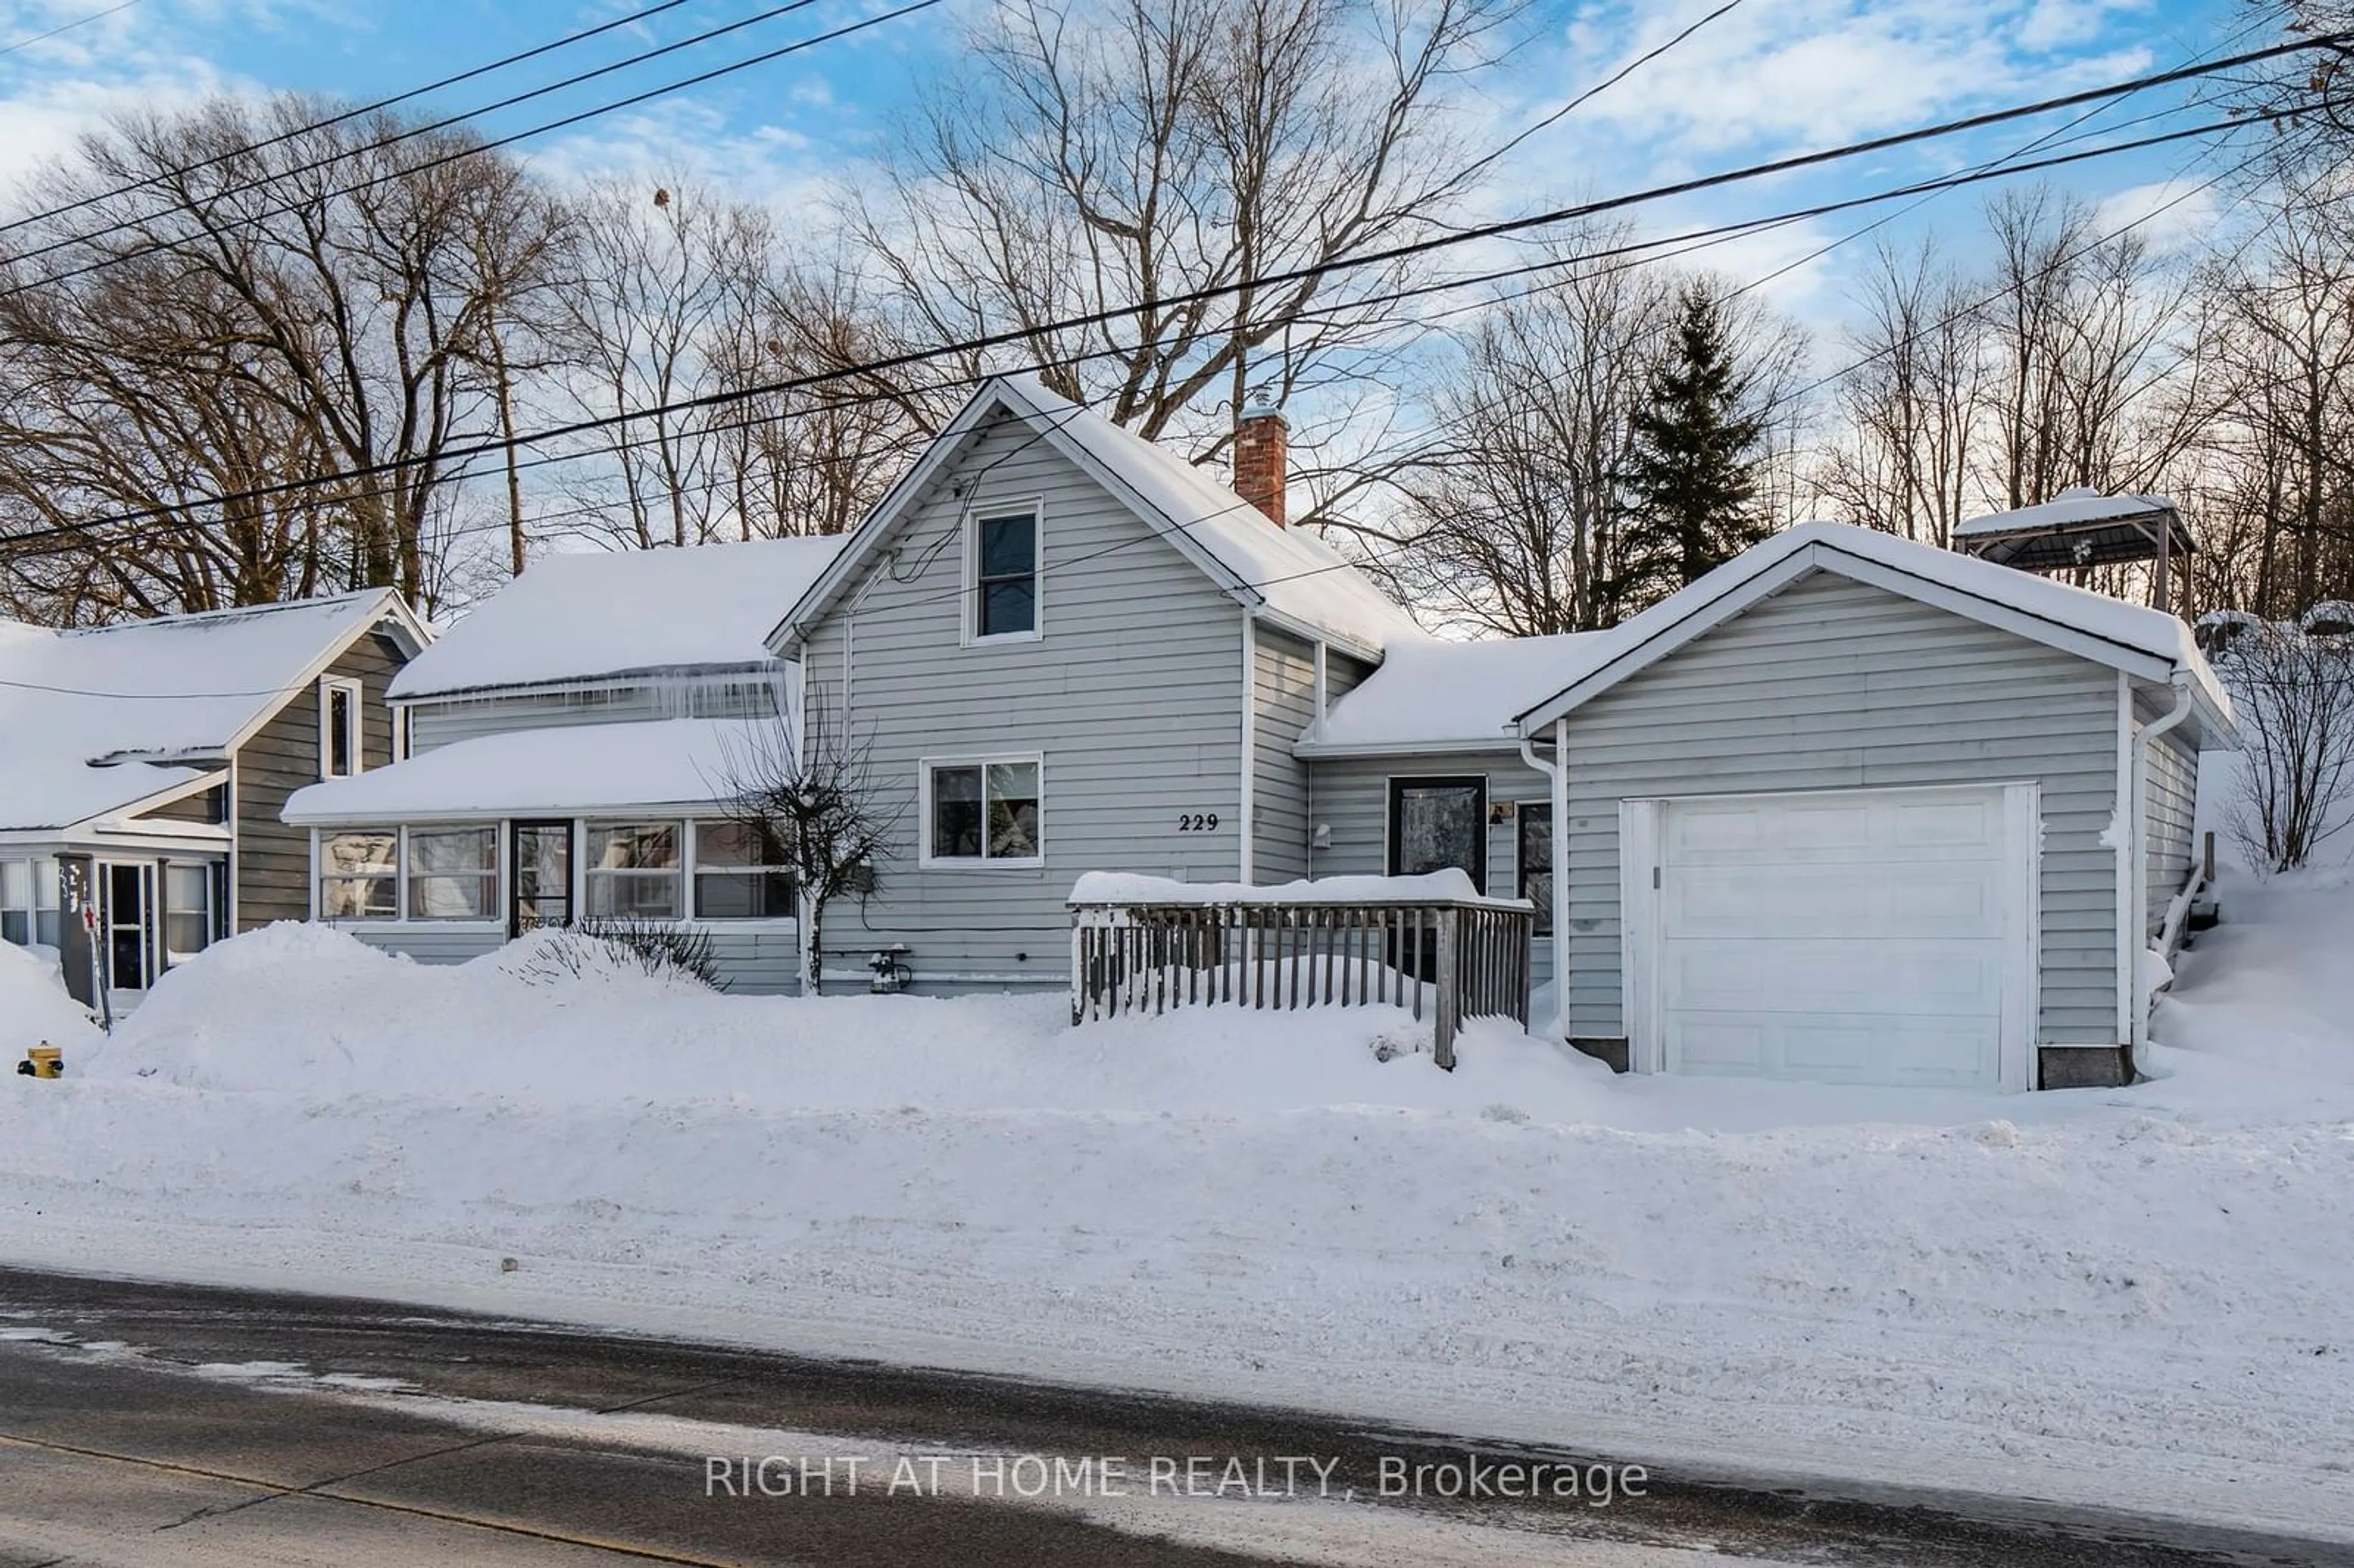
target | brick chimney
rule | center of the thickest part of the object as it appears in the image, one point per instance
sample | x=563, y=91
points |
x=1262, y=458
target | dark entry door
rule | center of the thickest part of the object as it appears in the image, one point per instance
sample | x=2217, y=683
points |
x=124, y=918
x=1438, y=823
x=541, y=877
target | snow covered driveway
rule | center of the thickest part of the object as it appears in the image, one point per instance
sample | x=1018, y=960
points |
x=2133, y=1296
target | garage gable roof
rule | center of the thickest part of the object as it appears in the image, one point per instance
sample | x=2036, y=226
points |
x=2151, y=645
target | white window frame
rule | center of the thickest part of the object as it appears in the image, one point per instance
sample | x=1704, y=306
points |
x=682, y=874
x=1543, y=926
x=165, y=910
x=357, y=694
x=320, y=875
x=970, y=632
x=927, y=766
x=695, y=869
x=496, y=874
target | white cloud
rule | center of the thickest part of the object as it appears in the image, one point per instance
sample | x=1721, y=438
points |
x=2172, y=214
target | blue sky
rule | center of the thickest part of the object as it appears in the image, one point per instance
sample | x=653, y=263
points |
x=1771, y=77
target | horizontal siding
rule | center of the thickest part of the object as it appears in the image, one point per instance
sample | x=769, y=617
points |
x=2169, y=809
x=1132, y=695
x=1283, y=689
x=1350, y=796
x=1834, y=684
x=273, y=860
x=731, y=694
x=751, y=960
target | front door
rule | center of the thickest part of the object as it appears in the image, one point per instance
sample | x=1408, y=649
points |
x=126, y=940
x=542, y=878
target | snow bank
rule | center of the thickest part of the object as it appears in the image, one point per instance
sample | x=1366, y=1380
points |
x=2088, y=1296
x=35, y=1009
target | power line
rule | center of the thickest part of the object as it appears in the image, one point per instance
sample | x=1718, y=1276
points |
x=67, y=27
x=1112, y=316
x=172, y=524
x=565, y=42
x=473, y=149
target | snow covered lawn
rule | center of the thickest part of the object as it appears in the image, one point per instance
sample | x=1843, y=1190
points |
x=2136, y=1297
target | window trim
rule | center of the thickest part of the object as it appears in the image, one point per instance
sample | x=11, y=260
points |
x=969, y=629
x=1543, y=926
x=495, y=870
x=165, y=910
x=352, y=688
x=1393, y=790
x=927, y=766
x=695, y=869
x=321, y=875
x=682, y=874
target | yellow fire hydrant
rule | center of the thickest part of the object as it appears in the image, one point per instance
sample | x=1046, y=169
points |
x=43, y=1061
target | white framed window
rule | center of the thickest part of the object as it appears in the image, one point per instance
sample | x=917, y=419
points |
x=739, y=874
x=188, y=923
x=359, y=875
x=453, y=873
x=1001, y=558
x=16, y=901
x=982, y=810
x=635, y=870
x=339, y=727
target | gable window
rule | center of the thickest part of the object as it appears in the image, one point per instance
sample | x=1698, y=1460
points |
x=1438, y=823
x=339, y=728
x=739, y=874
x=359, y=875
x=1005, y=575
x=982, y=812
x=454, y=874
x=633, y=871
x=1532, y=860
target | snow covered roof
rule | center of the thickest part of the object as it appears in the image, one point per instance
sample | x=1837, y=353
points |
x=1286, y=573
x=2154, y=644
x=591, y=615
x=100, y=719
x=2075, y=505
x=1430, y=694
x=579, y=768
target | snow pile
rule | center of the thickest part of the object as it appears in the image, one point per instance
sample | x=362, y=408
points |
x=35, y=1009
x=2087, y=1295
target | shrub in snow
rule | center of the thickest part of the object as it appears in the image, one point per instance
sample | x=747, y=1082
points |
x=653, y=948
x=2295, y=694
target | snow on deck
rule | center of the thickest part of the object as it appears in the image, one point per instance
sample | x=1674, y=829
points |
x=590, y=615
x=145, y=698
x=1451, y=885
x=579, y=768
x=2070, y=506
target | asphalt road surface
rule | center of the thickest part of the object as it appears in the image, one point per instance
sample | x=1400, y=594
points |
x=145, y=1424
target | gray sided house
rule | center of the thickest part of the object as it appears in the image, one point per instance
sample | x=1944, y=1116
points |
x=1848, y=808
x=565, y=748
x=145, y=766
x=1066, y=649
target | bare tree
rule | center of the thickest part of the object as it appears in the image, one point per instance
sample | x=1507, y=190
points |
x=2295, y=696
x=253, y=319
x=1113, y=160
x=807, y=799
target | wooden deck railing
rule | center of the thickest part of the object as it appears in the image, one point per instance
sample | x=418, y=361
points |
x=1470, y=955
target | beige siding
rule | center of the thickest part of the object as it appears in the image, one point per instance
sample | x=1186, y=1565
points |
x=273, y=860
x=1133, y=696
x=1283, y=689
x=1833, y=684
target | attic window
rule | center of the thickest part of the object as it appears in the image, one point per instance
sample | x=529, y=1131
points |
x=1005, y=575
x=339, y=728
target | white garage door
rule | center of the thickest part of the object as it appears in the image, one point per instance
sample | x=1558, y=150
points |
x=1850, y=936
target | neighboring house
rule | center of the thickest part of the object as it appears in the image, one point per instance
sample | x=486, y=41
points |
x=145, y=766
x=568, y=742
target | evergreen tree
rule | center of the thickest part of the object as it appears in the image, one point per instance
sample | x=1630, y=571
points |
x=1690, y=482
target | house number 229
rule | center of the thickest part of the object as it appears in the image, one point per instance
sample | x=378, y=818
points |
x=1197, y=822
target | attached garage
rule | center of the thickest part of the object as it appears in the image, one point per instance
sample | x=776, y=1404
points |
x=1845, y=935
